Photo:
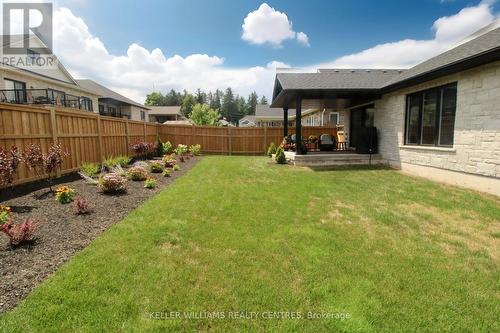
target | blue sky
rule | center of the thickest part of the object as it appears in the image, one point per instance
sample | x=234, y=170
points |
x=203, y=44
x=335, y=28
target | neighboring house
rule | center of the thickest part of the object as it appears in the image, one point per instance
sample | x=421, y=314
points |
x=439, y=119
x=161, y=114
x=248, y=121
x=113, y=104
x=265, y=116
x=32, y=84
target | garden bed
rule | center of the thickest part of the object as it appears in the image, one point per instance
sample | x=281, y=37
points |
x=61, y=232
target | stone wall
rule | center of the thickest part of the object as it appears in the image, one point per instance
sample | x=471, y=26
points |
x=476, y=147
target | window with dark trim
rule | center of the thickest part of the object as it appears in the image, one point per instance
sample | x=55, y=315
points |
x=430, y=116
x=143, y=115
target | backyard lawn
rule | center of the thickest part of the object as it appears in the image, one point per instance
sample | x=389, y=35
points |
x=364, y=250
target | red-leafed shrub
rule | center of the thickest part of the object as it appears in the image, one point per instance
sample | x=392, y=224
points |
x=112, y=183
x=45, y=164
x=81, y=206
x=143, y=149
x=9, y=161
x=19, y=233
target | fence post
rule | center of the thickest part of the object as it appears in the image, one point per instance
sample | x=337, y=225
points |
x=193, y=141
x=144, y=130
x=229, y=140
x=99, y=138
x=53, y=129
x=127, y=137
x=265, y=139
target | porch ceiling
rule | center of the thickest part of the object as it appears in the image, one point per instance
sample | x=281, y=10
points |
x=288, y=97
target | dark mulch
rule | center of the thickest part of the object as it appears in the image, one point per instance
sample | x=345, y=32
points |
x=61, y=232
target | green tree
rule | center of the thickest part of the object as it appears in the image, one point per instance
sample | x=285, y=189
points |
x=187, y=103
x=241, y=107
x=263, y=100
x=215, y=100
x=203, y=115
x=173, y=98
x=252, y=102
x=155, y=99
x=201, y=97
x=228, y=108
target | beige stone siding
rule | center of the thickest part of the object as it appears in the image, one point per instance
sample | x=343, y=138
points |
x=37, y=82
x=135, y=113
x=476, y=148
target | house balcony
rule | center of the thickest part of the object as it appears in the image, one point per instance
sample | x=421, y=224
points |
x=45, y=97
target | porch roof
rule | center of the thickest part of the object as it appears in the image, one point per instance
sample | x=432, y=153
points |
x=363, y=86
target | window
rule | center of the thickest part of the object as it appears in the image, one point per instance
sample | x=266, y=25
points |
x=333, y=118
x=143, y=115
x=101, y=109
x=86, y=104
x=112, y=111
x=430, y=116
x=16, y=91
x=370, y=118
x=56, y=96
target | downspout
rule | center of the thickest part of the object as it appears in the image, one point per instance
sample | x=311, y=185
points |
x=323, y=117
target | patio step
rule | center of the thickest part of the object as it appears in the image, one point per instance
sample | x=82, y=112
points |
x=327, y=160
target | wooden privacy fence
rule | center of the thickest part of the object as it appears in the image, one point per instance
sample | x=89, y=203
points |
x=89, y=137
x=233, y=140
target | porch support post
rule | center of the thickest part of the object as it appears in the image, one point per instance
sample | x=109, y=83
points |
x=285, y=121
x=299, y=150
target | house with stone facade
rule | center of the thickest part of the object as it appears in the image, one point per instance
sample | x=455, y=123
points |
x=439, y=119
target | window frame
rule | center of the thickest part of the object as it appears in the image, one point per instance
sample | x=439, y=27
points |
x=330, y=118
x=437, y=119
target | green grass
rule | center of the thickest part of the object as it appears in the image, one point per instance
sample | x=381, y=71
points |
x=394, y=253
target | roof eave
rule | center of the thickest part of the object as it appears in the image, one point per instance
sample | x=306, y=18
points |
x=484, y=58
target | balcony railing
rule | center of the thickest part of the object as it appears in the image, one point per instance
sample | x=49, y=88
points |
x=45, y=96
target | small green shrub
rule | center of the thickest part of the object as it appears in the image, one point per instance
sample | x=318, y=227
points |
x=271, y=150
x=5, y=213
x=195, y=149
x=176, y=167
x=158, y=147
x=280, y=156
x=65, y=194
x=167, y=148
x=169, y=161
x=181, y=150
x=156, y=167
x=137, y=174
x=90, y=169
x=150, y=183
x=121, y=160
x=166, y=173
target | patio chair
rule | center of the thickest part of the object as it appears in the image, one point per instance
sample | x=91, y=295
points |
x=341, y=141
x=327, y=142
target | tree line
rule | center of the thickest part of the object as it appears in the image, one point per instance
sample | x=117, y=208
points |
x=223, y=104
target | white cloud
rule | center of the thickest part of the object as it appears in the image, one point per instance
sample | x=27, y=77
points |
x=303, y=39
x=269, y=26
x=139, y=70
x=448, y=31
x=135, y=73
